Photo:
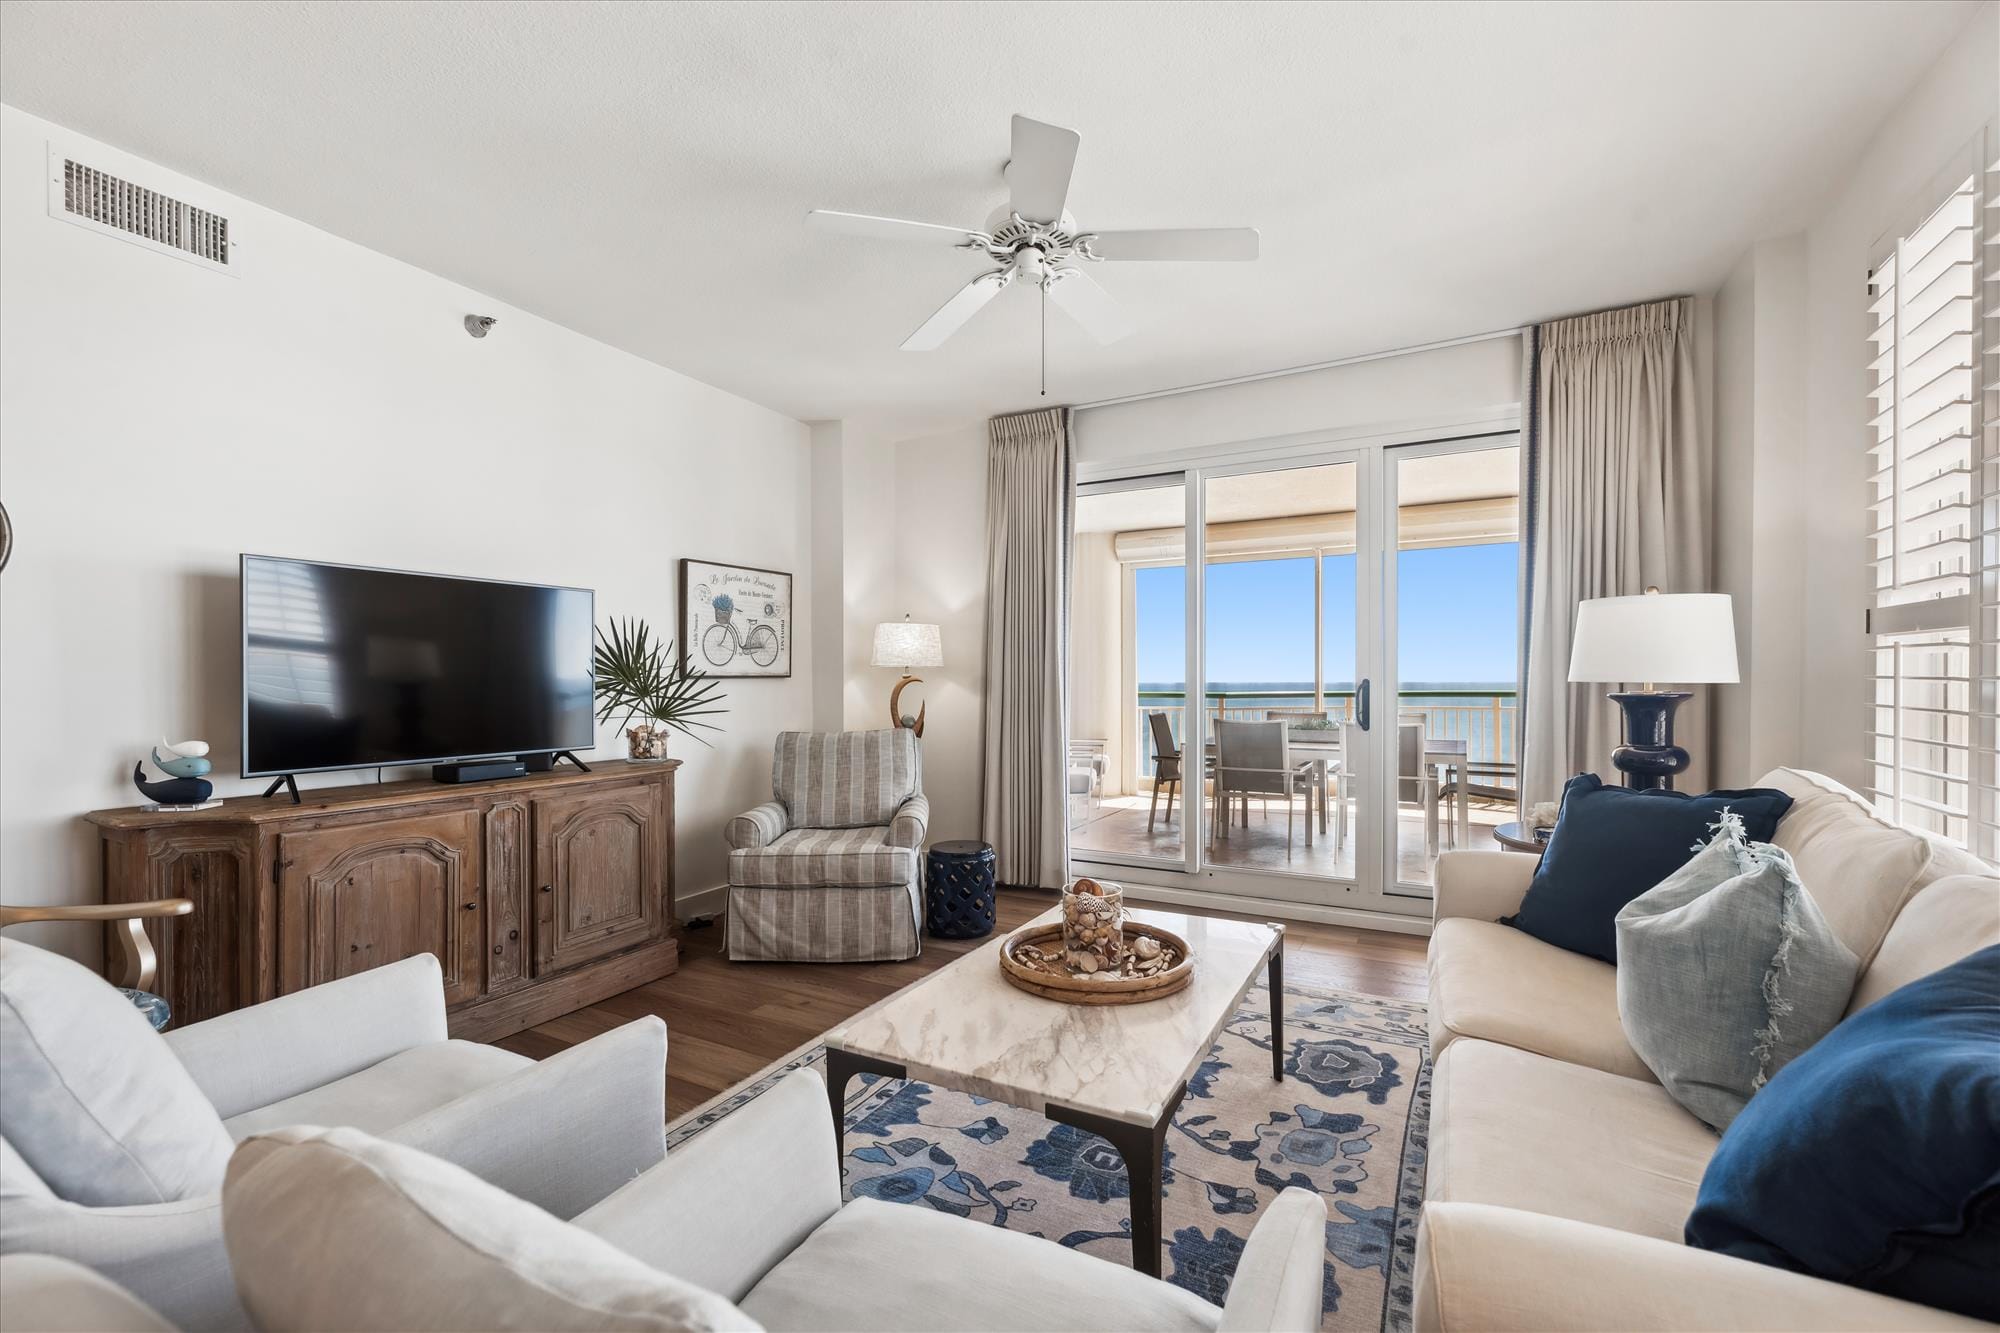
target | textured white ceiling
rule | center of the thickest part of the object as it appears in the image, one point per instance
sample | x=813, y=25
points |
x=638, y=171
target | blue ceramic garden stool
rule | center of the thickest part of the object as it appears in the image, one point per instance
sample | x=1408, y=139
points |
x=958, y=892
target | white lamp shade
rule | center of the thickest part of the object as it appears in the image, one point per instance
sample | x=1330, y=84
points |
x=1677, y=638
x=900, y=643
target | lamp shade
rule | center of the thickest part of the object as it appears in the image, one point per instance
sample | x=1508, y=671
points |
x=899, y=643
x=1682, y=638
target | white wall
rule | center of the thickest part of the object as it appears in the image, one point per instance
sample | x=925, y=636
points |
x=158, y=419
x=939, y=524
x=1924, y=135
x=1097, y=701
x=1759, y=525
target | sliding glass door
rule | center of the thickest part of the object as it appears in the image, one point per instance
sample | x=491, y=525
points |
x=1452, y=631
x=1294, y=681
x=1232, y=758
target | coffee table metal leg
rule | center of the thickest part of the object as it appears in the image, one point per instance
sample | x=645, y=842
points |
x=1276, y=985
x=1142, y=1147
x=842, y=1066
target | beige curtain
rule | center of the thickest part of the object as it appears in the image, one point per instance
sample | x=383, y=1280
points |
x=1618, y=500
x=1030, y=496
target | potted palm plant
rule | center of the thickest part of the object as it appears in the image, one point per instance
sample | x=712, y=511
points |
x=641, y=677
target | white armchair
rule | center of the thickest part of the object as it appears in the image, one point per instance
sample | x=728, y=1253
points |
x=831, y=868
x=740, y=1228
x=113, y=1140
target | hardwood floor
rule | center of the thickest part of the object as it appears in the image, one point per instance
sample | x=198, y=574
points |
x=725, y=1020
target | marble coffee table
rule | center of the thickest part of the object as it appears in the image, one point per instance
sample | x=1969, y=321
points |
x=1117, y=1071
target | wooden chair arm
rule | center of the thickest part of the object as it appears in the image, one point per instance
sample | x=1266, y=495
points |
x=133, y=963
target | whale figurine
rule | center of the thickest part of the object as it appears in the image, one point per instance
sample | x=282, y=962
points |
x=185, y=749
x=190, y=766
x=174, y=791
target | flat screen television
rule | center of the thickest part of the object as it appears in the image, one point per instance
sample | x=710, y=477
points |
x=349, y=667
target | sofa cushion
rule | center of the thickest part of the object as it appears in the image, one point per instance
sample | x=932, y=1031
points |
x=814, y=857
x=1944, y=921
x=51, y=1295
x=1523, y=1131
x=1859, y=867
x=1611, y=844
x=844, y=779
x=887, y=1266
x=1726, y=972
x=90, y=1097
x=1492, y=982
x=1872, y=1159
x=332, y=1228
x=392, y=1093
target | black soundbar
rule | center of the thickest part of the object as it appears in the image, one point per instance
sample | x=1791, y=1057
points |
x=478, y=770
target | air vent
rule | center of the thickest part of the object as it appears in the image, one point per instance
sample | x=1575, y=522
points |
x=94, y=198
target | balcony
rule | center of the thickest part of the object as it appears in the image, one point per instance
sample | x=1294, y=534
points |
x=1133, y=823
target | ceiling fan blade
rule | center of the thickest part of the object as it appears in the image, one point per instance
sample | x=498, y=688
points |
x=1183, y=243
x=1079, y=297
x=888, y=229
x=1039, y=167
x=952, y=315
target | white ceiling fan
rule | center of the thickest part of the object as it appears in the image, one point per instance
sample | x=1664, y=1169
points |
x=1032, y=237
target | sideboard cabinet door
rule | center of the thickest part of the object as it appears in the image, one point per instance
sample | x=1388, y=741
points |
x=368, y=894
x=598, y=857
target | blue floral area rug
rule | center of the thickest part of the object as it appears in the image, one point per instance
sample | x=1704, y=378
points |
x=1348, y=1121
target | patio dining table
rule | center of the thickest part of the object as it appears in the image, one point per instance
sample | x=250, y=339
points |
x=1447, y=757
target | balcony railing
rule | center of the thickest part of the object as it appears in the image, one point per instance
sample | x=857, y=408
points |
x=1486, y=720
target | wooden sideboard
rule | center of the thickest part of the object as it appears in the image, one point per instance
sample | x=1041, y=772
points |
x=539, y=894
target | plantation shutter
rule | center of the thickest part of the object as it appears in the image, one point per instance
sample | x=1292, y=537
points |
x=1934, y=519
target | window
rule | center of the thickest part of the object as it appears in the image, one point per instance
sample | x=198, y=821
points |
x=1934, y=522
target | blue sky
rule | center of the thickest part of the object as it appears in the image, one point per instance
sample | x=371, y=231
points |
x=1456, y=617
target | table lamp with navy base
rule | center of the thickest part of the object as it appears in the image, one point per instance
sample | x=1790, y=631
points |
x=1682, y=637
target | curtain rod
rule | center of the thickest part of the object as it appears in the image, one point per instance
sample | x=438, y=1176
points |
x=1307, y=369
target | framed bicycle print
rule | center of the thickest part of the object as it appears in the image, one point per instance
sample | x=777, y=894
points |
x=735, y=620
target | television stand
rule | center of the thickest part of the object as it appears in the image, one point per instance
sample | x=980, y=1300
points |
x=287, y=781
x=565, y=754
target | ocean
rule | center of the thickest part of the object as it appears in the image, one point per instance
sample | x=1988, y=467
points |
x=1482, y=713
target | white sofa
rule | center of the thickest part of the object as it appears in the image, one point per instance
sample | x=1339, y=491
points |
x=1560, y=1172
x=742, y=1228
x=87, y=1095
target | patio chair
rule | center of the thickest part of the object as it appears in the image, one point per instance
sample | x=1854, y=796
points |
x=1416, y=784
x=1254, y=759
x=1166, y=765
x=1469, y=787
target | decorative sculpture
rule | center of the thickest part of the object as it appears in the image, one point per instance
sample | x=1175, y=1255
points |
x=186, y=765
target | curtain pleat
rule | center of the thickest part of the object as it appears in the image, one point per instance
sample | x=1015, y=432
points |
x=1030, y=496
x=1619, y=500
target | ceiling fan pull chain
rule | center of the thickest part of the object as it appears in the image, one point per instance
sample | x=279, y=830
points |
x=1045, y=337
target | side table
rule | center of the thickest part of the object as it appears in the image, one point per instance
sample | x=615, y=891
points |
x=958, y=890
x=1517, y=839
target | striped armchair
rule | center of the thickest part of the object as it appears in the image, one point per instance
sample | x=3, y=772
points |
x=831, y=869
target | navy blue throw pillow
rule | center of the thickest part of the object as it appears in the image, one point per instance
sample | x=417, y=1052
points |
x=1611, y=844
x=1874, y=1158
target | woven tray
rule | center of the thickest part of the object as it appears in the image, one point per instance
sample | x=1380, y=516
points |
x=1081, y=989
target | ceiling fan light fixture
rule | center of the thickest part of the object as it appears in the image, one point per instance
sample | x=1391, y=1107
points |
x=1047, y=253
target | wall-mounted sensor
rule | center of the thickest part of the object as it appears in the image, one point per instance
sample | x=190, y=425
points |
x=476, y=325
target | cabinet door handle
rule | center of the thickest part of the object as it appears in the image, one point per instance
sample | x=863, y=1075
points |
x=548, y=888
x=513, y=934
x=498, y=949
x=472, y=907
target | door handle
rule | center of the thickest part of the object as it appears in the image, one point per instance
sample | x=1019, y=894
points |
x=1361, y=704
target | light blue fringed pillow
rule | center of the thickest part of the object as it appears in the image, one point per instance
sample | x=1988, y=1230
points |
x=1726, y=972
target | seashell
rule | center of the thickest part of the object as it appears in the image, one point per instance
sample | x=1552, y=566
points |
x=1146, y=947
